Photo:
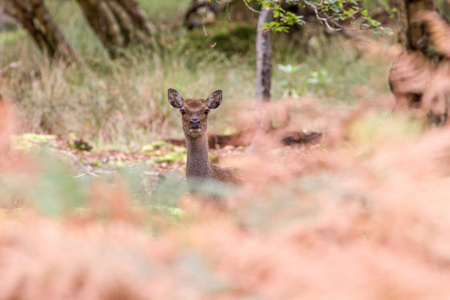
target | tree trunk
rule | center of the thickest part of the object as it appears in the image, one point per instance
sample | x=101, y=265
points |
x=263, y=57
x=263, y=69
x=118, y=23
x=412, y=35
x=37, y=20
x=420, y=78
x=263, y=80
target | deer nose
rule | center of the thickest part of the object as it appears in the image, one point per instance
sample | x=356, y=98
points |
x=195, y=123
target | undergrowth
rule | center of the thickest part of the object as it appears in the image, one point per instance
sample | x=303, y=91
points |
x=124, y=101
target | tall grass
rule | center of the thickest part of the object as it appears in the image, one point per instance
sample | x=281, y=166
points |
x=124, y=101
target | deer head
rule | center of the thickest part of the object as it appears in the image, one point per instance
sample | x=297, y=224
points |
x=194, y=112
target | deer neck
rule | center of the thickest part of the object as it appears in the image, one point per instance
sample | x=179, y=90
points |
x=198, y=164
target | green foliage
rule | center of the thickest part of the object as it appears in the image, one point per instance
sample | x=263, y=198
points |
x=230, y=39
x=331, y=13
x=331, y=79
x=320, y=77
x=290, y=82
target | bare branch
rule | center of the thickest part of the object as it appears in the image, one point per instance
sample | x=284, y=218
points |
x=249, y=7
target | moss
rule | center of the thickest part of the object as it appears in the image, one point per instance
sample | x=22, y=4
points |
x=155, y=146
x=29, y=140
x=161, y=151
x=196, y=39
x=170, y=157
x=244, y=32
x=239, y=39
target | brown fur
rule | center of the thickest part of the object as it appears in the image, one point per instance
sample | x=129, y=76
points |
x=198, y=165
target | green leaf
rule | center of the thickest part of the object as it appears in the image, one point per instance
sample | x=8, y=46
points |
x=388, y=31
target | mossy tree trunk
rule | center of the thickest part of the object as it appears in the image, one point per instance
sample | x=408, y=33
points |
x=37, y=20
x=118, y=23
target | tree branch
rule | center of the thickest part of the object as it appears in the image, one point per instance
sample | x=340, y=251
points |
x=249, y=7
x=324, y=20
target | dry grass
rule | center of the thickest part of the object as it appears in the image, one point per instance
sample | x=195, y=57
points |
x=124, y=102
x=128, y=105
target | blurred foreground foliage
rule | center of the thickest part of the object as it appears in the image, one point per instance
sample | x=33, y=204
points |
x=303, y=214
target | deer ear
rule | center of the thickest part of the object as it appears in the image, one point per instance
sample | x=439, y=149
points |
x=214, y=99
x=175, y=99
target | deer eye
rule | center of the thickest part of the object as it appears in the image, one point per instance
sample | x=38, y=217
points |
x=206, y=111
x=182, y=111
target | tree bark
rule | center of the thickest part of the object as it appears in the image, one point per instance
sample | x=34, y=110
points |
x=37, y=20
x=420, y=78
x=412, y=35
x=263, y=78
x=263, y=57
x=118, y=23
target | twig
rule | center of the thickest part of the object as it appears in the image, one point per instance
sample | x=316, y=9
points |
x=203, y=26
x=324, y=20
x=249, y=7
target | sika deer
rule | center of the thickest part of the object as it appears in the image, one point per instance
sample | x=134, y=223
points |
x=194, y=119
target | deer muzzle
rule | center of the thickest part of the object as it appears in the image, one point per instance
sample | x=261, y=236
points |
x=194, y=124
